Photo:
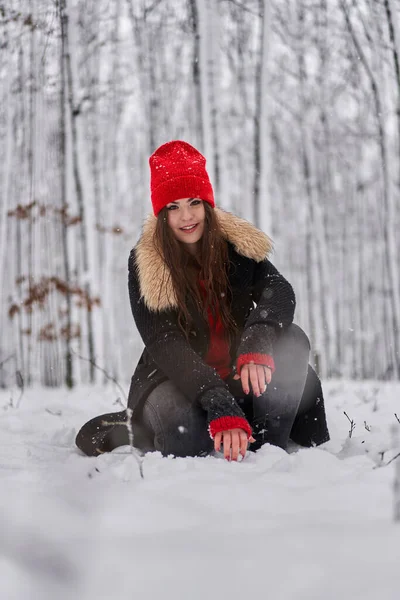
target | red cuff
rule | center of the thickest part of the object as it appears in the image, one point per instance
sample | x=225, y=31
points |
x=225, y=423
x=258, y=359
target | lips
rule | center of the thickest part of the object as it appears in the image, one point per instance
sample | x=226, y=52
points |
x=190, y=228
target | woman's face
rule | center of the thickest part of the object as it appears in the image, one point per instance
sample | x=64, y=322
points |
x=186, y=219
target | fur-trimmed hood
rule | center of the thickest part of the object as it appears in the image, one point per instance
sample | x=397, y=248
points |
x=154, y=278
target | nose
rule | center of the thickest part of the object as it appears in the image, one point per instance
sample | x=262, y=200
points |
x=186, y=214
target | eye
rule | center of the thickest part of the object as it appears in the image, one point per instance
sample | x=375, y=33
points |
x=172, y=207
x=195, y=202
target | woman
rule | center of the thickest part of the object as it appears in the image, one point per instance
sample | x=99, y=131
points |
x=223, y=365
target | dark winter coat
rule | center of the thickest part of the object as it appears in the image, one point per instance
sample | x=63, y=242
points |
x=263, y=304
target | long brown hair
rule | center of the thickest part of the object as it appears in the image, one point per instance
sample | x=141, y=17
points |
x=186, y=271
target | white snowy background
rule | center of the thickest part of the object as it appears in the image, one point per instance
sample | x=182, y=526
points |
x=295, y=105
x=309, y=524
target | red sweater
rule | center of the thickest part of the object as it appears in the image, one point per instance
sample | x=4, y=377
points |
x=218, y=357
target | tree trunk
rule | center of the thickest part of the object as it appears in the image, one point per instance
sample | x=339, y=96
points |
x=194, y=15
x=388, y=203
x=206, y=121
x=69, y=365
x=6, y=346
x=262, y=171
x=74, y=115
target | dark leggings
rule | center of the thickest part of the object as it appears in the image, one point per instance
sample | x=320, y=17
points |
x=171, y=424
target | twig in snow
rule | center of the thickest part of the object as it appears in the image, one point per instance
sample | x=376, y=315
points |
x=396, y=482
x=19, y=380
x=367, y=427
x=375, y=393
x=55, y=413
x=21, y=385
x=119, y=402
x=110, y=377
x=352, y=424
x=397, y=417
x=392, y=459
x=395, y=457
x=128, y=425
x=128, y=422
x=90, y=474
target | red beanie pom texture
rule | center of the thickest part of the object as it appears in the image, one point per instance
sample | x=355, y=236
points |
x=178, y=170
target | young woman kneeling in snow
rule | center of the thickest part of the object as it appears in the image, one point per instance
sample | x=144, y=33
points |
x=223, y=364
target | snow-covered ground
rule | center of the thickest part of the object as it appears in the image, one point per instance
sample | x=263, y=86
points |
x=313, y=524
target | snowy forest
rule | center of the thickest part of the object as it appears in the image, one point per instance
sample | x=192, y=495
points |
x=295, y=104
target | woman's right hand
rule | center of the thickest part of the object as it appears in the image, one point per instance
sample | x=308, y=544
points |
x=234, y=442
x=255, y=377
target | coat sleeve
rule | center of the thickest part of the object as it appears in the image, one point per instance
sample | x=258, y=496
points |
x=275, y=305
x=172, y=353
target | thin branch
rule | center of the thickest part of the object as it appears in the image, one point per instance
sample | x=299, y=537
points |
x=244, y=7
x=362, y=57
x=392, y=459
x=55, y=413
x=110, y=377
x=352, y=424
x=148, y=9
x=21, y=385
x=397, y=417
x=3, y=362
x=128, y=425
x=118, y=401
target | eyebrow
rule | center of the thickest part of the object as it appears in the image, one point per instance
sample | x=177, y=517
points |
x=188, y=200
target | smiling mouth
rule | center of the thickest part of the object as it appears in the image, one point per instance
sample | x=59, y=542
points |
x=189, y=228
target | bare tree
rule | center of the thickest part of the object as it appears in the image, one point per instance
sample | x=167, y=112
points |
x=262, y=171
x=388, y=219
x=83, y=204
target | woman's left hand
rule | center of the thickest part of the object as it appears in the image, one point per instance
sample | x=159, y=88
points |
x=259, y=376
x=234, y=441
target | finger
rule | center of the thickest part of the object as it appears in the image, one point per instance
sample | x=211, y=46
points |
x=235, y=443
x=268, y=374
x=244, y=376
x=227, y=444
x=251, y=440
x=217, y=441
x=262, y=381
x=254, y=380
x=236, y=376
x=243, y=443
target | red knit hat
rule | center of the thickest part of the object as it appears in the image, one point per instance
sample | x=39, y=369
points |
x=177, y=171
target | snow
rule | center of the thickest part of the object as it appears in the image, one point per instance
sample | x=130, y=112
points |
x=309, y=524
